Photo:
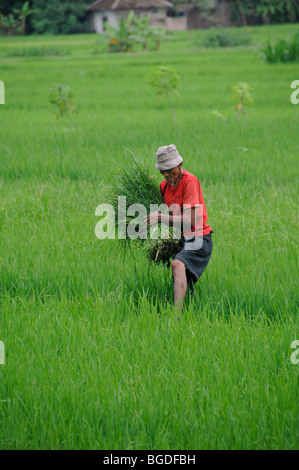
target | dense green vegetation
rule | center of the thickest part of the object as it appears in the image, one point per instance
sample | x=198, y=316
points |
x=282, y=51
x=95, y=357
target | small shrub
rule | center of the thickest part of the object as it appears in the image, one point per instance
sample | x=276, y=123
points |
x=222, y=37
x=120, y=39
x=242, y=97
x=269, y=53
x=134, y=30
x=62, y=98
x=158, y=34
x=282, y=51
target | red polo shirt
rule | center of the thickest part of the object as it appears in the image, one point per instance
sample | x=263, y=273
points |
x=188, y=191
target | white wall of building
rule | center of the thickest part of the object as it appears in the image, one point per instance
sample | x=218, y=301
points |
x=176, y=23
x=97, y=19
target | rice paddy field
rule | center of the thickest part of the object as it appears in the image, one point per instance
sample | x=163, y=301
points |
x=95, y=357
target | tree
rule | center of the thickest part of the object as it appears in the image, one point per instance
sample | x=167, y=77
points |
x=7, y=6
x=267, y=8
x=242, y=12
x=2, y=24
x=9, y=24
x=60, y=17
x=23, y=14
x=246, y=9
x=142, y=29
x=206, y=7
x=292, y=9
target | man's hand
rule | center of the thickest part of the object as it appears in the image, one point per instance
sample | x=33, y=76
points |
x=153, y=218
x=188, y=218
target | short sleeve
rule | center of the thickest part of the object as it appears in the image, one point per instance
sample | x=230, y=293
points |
x=191, y=194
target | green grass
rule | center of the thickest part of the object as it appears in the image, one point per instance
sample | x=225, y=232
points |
x=37, y=52
x=95, y=358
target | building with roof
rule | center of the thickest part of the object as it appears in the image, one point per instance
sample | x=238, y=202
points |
x=162, y=13
x=178, y=16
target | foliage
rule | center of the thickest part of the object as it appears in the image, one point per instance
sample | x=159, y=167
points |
x=206, y=9
x=242, y=97
x=165, y=83
x=23, y=14
x=158, y=34
x=267, y=8
x=57, y=17
x=267, y=11
x=9, y=25
x=7, y=6
x=141, y=29
x=121, y=38
x=282, y=50
x=62, y=98
x=223, y=37
x=134, y=30
x=292, y=8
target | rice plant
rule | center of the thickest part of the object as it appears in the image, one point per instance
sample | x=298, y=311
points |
x=222, y=37
x=38, y=52
x=282, y=51
x=135, y=182
x=242, y=97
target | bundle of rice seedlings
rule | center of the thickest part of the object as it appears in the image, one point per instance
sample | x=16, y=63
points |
x=160, y=243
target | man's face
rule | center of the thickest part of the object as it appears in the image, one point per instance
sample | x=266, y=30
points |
x=173, y=175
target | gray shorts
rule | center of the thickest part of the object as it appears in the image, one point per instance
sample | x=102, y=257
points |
x=195, y=254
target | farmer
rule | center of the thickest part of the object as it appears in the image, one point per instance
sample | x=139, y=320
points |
x=182, y=190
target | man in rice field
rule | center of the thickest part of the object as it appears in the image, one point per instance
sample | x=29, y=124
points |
x=183, y=189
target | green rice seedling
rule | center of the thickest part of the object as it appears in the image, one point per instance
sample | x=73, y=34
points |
x=294, y=48
x=242, y=97
x=269, y=53
x=222, y=37
x=139, y=187
x=282, y=51
x=62, y=97
x=38, y=52
x=164, y=84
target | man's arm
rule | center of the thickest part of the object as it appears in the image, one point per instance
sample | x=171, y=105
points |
x=182, y=220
